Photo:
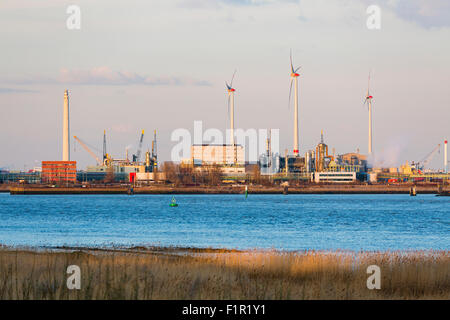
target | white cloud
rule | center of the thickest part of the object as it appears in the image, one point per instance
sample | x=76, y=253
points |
x=106, y=76
x=425, y=13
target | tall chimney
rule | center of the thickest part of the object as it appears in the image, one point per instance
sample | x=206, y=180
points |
x=445, y=157
x=66, y=142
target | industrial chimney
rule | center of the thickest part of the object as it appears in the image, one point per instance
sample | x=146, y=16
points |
x=445, y=157
x=66, y=145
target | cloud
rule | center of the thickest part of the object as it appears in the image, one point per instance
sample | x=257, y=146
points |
x=216, y=4
x=121, y=128
x=106, y=77
x=13, y=90
x=425, y=13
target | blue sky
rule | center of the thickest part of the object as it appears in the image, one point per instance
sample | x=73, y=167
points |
x=163, y=64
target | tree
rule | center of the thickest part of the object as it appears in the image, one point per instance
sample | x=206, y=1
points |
x=214, y=175
x=256, y=174
x=170, y=171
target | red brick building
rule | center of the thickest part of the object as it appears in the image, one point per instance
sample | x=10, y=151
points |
x=59, y=172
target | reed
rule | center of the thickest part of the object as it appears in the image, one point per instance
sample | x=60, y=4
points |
x=222, y=274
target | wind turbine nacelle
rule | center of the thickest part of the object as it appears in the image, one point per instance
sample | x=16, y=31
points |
x=231, y=90
x=295, y=74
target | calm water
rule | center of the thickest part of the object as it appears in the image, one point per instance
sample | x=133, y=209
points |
x=369, y=222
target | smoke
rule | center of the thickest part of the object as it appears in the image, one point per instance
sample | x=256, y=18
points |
x=391, y=154
x=121, y=128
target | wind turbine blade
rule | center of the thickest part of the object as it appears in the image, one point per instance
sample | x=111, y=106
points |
x=365, y=102
x=292, y=65
x=290, y=91
x=295, y=71
x=231, y=83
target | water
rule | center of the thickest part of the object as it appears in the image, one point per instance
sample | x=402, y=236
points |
x=293, y=222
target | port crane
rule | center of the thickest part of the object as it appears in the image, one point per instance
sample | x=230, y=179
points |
x=154, y=150
x=137, y=156
x=83, y=144
x=104, y=146
x=421, y=165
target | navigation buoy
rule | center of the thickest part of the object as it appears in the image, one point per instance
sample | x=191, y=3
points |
x=173, y=203
x=246, y=192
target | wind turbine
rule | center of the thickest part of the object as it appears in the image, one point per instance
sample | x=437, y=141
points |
x=231, y=91
x=368, y=101
x=294, y=78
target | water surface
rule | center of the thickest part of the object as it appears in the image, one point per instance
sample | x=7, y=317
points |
x=292, y=222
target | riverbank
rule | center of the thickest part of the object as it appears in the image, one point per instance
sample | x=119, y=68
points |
x=189, y=273
x=163, y=189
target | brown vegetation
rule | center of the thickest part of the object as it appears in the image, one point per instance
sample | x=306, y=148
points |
x=142, y=273
x=186, y=175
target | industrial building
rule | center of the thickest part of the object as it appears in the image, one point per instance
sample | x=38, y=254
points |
x=20, y=177
x=327, y=177
x=316, y=166
x=219, y=154
x=58, y=172
x=230, y=159
x=121, y=170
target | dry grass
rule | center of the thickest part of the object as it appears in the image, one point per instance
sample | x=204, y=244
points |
x=222, y=274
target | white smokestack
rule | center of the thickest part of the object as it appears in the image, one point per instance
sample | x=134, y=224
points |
x=445, y=157
x=66, y=142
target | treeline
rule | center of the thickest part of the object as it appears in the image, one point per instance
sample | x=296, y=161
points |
x=207, y=175
x=187, y=175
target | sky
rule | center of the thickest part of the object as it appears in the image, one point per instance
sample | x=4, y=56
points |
x=162, y=64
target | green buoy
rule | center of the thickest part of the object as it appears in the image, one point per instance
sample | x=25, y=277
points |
x=173, y=203
x=246, y=192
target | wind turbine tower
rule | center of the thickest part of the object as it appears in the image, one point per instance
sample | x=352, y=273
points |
x=294, y=78
x=368, y=100
x=231, y=91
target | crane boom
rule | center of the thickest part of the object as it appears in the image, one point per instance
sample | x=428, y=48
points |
x=138, y=153
x=430, y=156
x=88, y=150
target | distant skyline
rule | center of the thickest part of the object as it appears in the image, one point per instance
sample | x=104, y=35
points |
x=162, y=65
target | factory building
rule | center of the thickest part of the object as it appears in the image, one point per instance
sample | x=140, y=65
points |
x=270, y=163
x=59, y=172
x=20, y=177
x=335, y=177
x=317, y=165
x=218, y=154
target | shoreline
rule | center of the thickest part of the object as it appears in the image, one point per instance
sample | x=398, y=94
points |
x=307, y=189
x=207, y=250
